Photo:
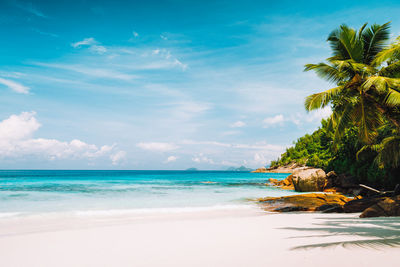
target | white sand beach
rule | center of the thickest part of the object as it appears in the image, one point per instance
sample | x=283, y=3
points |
x=242, y=237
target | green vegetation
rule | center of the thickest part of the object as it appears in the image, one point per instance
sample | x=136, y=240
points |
x=362, y=136
x=318, y=150
x=312, y=150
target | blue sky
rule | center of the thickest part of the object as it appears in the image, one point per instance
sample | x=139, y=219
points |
x=163, y=84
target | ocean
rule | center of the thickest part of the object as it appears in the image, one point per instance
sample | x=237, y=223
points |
x=27, y=192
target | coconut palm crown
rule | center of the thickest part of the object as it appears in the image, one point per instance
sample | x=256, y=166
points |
x=366, y=74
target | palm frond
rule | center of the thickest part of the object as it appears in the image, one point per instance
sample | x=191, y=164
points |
x=339, y=50
x=368, y=93
x=392, y=99
x=343, y=121
x=350, y=67
x=332, y=121
x=361, y=30
x=392, y=51
x=345, y=43
x=366, y=149
x=375, y=39
x=322, y=99
x=367, y=118
x=380, y=84
x=363, y=150
x=326, y=72
x=392, y=70
x=389, y=151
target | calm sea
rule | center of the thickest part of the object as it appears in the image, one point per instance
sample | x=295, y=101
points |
x=41, y=191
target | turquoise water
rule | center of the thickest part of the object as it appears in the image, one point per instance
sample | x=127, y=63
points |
x=34, y=191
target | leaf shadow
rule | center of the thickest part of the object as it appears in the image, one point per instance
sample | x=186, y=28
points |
x=371, y=233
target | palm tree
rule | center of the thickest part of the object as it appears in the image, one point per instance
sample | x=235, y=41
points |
x=366, y=74
x=387, y=151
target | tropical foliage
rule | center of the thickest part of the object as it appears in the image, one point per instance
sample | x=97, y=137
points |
x=313, y=150
x=317, y=150
x=362, y=136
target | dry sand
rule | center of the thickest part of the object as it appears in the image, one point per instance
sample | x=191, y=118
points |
x=243, y=237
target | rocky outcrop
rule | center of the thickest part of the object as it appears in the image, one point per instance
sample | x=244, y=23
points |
x=330, y=177
x=304, y=180
x=359, y=205
x=304, y=202
x=283, y=184
x=342, y=183
x=387, y=206
x=370, y=207
x=272, y=181
x=309, y=180
x=262, y=169
x=378, y=205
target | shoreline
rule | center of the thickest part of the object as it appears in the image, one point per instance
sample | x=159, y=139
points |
x=249, y=237
x=222, y=235
x=282, y=169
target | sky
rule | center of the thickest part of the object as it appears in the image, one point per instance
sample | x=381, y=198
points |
x=163, y=84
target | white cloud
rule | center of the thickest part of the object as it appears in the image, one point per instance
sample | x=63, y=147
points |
x=118, y=157
x=86, y=41
x=16, y=87
x=296, y=118
x=180, y=64
x=222, y=154
x=171, y=159
x=157, y=146
x=260, y=146
x=186, y=110
x=312, y=117
x=94, y=72
x=16, y=141
x=92, y=44
x=212, y=143
x=12, y=74
x=104, y=73
x=98, y=49
x=260, y=159
x=201, y=158
x=238, y=124
x=272, y=121
x=256, y=146
x=18, y=127
x=319, y=114
x=228, y=163
x=172, y=60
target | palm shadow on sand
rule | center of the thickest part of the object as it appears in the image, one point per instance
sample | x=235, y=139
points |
x=373, y=233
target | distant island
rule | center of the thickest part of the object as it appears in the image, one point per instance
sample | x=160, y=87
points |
x=191, y=170
x=239, y=169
